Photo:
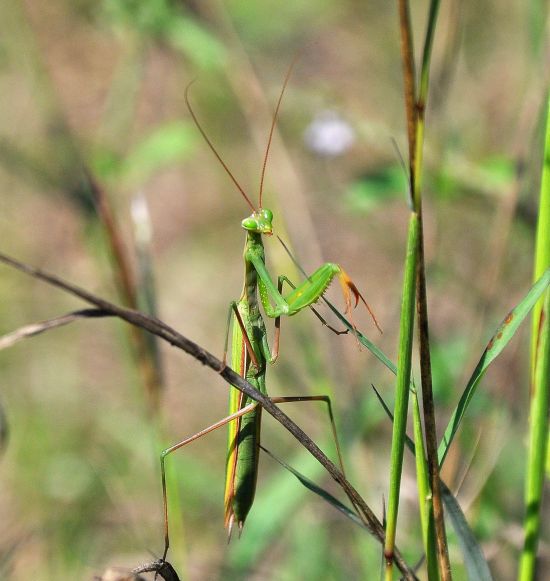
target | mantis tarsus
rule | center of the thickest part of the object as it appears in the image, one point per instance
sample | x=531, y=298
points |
x=250, y=351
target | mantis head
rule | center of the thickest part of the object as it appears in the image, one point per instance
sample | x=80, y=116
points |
x=259, y=221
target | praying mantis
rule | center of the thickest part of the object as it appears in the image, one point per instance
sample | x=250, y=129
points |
x=250, y=351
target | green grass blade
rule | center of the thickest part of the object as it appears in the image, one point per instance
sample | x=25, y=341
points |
x=376, y=351
x=264, y=525
x=403, y=382
x=538, y=441
x=542, y=259
x=540, y=382
x=498, y=342
x=542, y=245
x=310, y=485
x=424, y=492
x=475, y=562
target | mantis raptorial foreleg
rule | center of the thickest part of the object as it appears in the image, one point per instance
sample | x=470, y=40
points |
x=324, y=322
x=243, y=411
x=271, y=356
x=306, y=293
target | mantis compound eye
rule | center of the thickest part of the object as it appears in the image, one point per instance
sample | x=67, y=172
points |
x=249, y=224
x=267, y=215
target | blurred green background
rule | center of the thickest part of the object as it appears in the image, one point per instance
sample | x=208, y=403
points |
x=99, y=87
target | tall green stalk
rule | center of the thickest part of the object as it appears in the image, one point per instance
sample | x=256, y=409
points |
x=422, y=303
x=540, y=381
x=402, y=390
x=542, y=247
x=415, y=101
x=425, y=501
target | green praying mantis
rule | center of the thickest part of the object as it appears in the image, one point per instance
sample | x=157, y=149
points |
x=250, y=351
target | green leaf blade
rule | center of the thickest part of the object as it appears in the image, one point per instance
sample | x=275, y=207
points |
x=498, y=342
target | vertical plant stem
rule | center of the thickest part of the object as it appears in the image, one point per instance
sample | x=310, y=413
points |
x=416, y=113
x=429, y=414
x=538, y=442
x=407, y=53
x=542, y=246
x=402, y=391
x=540, y=382
x=424, y=492
x=422, y=307
x=126, y=287
x=408, y=300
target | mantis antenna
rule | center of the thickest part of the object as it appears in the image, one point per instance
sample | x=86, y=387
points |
x=214, y=151
x=274, y=121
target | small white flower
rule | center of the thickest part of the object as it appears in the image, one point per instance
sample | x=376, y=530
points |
x=329, y=135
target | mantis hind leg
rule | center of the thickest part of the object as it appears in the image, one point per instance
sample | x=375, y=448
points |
x=326, y=399
x=245, y=410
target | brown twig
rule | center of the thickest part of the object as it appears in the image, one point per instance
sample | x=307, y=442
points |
x=36, y=328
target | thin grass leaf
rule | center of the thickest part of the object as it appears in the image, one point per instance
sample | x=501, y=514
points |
x=376, y=351
x=406, y=328
x=475, y=562
x=416, y=112
x=498, y=342
x=542, y=245
x=264, y=526
x=540, y=383
x=538, y=442
x=319, y=491
x=542, y=258
x=494, y=347
x=425, y=501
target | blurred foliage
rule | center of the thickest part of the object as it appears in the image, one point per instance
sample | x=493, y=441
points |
x=164, y=21
x=101, y=85
x=168, y=144
x=377, y=188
